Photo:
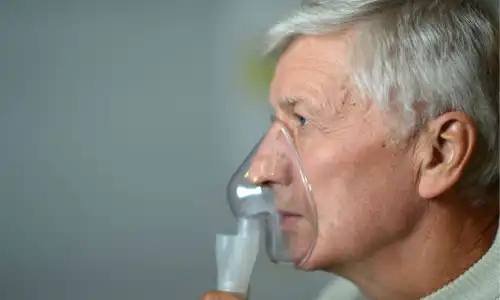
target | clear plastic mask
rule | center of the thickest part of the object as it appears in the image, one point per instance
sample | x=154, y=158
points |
x=271, y=186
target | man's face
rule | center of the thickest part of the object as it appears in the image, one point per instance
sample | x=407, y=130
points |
x=363, y=182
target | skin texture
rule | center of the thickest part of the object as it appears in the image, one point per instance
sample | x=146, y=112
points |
x=215, y=295
x=390, y=217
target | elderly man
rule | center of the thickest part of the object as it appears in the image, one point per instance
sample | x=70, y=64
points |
x=395, y=117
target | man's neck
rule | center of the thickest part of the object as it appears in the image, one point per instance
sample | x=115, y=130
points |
x=446, y=242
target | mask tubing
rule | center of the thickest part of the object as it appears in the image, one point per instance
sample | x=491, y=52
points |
x=236, y=255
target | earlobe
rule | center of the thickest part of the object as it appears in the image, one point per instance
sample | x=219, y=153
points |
x=451, y=140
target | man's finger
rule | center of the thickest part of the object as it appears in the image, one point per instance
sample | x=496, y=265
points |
x=217, y=295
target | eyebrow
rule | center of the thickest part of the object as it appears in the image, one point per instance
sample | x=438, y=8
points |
x=288, y=103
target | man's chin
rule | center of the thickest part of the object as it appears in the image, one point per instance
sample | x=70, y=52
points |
x=302, y=259
x=317, y=262
x=309, y=265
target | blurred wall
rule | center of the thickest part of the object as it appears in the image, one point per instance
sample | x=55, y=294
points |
x=120, y=124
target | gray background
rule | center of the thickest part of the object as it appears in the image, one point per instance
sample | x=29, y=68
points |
x=120, y=124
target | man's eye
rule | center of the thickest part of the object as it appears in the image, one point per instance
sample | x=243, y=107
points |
x=302, y=121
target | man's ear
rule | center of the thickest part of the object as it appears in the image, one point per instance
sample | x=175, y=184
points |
x=444, y=150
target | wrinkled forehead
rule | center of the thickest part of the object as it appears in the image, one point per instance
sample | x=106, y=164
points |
x=314, y=68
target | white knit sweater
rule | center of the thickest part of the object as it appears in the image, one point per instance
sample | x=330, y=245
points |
x=480, y=282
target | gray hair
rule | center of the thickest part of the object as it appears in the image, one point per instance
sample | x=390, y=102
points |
x=422, y=58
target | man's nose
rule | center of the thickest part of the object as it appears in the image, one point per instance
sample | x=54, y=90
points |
x=271, y=163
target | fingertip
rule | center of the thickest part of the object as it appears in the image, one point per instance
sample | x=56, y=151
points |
x=210, y=295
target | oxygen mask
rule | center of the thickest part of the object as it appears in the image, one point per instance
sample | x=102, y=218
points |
x=271, y=199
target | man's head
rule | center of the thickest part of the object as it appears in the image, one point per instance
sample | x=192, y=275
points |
x=393, y=106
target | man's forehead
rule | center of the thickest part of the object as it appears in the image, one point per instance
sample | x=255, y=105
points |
x=310, y=72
